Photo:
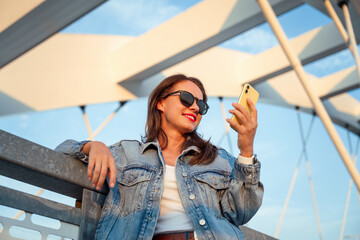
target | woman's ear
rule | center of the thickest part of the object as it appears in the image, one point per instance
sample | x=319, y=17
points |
x=160, y=105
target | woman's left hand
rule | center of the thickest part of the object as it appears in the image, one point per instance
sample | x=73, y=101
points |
x=246, y=128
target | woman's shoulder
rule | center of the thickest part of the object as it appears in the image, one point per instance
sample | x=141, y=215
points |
x=225, y=155
x=134, y=145
x=125, y=148
x=126, y=143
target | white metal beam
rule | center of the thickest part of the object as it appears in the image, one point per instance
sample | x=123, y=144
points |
x=309, y=47
x=201, y=27
x=67, y=70
x=337, y=83
x=39, y=24
x=12, y=11
x=46, y=65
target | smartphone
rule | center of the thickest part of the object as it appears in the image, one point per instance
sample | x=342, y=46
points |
x=247, y=92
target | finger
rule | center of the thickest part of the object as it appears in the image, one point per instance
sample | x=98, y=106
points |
x=96, y=172
x=235, y=125
x=241, y=109
x=238, y=107
x=90, y=168
x=112, y=172
x=253, y=109
x=102, y=175
x=240, y=117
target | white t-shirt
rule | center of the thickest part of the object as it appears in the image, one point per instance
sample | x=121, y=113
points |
x=173, y=217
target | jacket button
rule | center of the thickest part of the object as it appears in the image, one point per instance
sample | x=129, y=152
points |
x=202, y=222
x=192, y=196
x=184, y=174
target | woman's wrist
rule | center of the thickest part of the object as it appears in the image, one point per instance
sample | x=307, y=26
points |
x=246, y=150
x=246, y=153
x=86, y=148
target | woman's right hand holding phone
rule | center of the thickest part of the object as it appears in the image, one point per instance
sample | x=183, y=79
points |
x=101, y=163
x=246, y=129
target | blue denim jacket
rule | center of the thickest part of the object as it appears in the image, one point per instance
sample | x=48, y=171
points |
x=217, y=197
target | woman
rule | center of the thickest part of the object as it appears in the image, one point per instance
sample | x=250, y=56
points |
x=174, y=183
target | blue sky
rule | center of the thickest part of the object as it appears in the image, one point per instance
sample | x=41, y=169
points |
x=278, y=140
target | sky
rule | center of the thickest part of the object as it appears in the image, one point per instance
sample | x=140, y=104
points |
x=278, y=139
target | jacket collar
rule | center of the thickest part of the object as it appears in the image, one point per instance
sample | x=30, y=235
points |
x=156, y=145
x=190, y=149
x=150, y=145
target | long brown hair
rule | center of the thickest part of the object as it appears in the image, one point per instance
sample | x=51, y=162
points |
x=153, y=129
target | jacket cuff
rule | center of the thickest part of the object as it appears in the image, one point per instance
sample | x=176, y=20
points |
x=78, y=153
x=247, y=173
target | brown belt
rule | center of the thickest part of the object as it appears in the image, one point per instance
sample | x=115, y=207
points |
x=175, y=236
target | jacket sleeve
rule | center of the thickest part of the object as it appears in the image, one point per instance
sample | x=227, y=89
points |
x=244, y=196
x=73, y=148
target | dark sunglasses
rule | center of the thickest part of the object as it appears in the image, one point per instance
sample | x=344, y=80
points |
x=187, y=99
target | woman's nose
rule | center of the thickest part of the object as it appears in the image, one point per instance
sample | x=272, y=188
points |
x=194, y=106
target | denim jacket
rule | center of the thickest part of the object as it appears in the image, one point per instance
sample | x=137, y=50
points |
x=217, y=197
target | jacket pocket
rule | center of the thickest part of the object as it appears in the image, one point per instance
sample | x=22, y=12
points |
x=211, y=186
x=133, y=182
x=215, y=179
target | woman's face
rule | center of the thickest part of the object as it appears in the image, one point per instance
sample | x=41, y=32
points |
x=177, y=117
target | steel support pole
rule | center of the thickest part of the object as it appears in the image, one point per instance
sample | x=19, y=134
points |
x=223, y=111
x=352, y=43
x=351, y=34
x=227, y=127
x=310, y=178
x=337, y=22
x=87, y=123
x=346, y=210
x=92, y=135
x=107, y=120
x=315, y=100
x=313, y=198
x=293, y=180
x=354, y=154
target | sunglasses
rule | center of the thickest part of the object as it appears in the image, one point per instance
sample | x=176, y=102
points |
x=187, y=99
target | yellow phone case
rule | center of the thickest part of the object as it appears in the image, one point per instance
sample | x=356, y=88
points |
x=247, y=92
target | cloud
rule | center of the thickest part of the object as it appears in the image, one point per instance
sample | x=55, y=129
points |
x=253, y=41
x=331, y=64
x=141, y=14
x=126, y=17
